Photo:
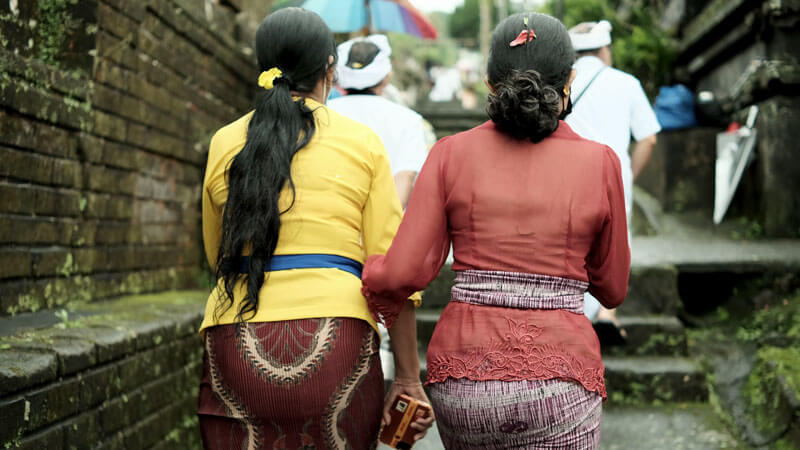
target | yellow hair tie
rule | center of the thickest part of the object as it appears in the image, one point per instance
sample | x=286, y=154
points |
x=267, y=78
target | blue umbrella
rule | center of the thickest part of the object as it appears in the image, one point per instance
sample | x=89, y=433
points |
x=344, y=16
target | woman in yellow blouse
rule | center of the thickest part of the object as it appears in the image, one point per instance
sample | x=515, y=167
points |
x=295, y=197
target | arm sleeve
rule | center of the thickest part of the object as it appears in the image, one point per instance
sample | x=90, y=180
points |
x=413, y=151
x=420, y=247
x=643, y=119
x=211, y=213
x=609, y=260
x=382, y=213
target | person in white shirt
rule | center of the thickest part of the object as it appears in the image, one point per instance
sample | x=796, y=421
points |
x=363, y=71
x=609, y=106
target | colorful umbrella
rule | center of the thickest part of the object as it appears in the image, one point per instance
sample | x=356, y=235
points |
x=399, y=16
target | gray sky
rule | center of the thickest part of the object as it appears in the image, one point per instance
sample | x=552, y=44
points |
x=437, y=5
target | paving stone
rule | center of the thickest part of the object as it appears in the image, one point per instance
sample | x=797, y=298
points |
x=73, y=354
x=110, y=343
x=23, y=369
x=673, y=427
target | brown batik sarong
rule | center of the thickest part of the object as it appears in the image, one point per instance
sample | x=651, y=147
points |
x=309, y=383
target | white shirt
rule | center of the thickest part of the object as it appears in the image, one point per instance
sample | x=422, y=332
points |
x=399, y=128
x=613, y=108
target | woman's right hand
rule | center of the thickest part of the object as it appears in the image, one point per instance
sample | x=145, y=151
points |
x=413, y=389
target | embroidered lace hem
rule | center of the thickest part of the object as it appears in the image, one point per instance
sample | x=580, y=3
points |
x=515, y=368
x=384, y=310
x=517, y=357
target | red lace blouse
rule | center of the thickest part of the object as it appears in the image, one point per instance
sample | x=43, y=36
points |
x=553, y=208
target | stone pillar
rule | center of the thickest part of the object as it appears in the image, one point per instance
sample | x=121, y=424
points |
x=779, y=158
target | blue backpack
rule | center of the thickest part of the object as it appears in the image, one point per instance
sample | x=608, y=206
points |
x=675, y=107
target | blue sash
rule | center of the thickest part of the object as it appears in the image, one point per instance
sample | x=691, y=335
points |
x=309, y=261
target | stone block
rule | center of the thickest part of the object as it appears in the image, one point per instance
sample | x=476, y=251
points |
x=122, y=156
x=109, y=126
x=136, y=370
x=44, y=105
x=99, y=385
x=107, y=72
x=46, y=139
x=67, y=173
x=104, y=179
x=90, y=260
x=18, y=199
x=13, y=418
x=28, y=199
x=23, y=369
x=105, y=206
x=134, y=10
x=779, y=166
x=106, y=98
x=53, y=403
x=115, y=415
x=47, y=438
x=35, y=230
x=83, y=431
x=117, y=50
x=116, y=23
x=25, y=166
x=111, y=342
x=51, y=262
x=15, y=263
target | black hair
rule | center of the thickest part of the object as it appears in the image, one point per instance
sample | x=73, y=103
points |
x=528, y=80
x=300, y=45
x=362, y=53
x=592, y=52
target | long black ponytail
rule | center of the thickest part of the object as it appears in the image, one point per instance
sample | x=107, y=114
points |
x=299, y=44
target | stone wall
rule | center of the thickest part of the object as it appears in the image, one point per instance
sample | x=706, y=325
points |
x=106, y=110
x=746, y=52
x=122, y=374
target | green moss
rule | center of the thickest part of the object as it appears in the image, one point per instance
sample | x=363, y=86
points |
x=763, y=390
x=54, y=29
x=781, y=320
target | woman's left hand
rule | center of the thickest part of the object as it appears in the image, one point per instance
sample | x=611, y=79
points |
x=414, y=390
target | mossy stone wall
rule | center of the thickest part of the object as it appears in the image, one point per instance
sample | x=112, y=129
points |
x=106, y=110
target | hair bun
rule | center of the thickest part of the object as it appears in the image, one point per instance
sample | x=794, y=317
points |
x=523, y=106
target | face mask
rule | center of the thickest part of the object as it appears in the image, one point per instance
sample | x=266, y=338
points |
x=566, y=111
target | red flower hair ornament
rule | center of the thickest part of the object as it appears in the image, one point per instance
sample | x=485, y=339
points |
x=524, y=37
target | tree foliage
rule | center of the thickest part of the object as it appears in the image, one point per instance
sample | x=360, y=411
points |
x=465, y=22
x=640, y=46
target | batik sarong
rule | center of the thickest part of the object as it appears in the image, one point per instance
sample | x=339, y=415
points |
x=514, y=363
x=309, y=383
x=531, y=414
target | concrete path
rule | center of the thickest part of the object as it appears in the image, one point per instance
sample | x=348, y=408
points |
x=692, y=427
x=705, y=252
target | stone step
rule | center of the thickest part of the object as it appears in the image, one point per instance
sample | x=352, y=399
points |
x=648, y=335
x=641, y=379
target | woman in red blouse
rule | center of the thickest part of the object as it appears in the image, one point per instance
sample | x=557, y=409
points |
x=536, y=216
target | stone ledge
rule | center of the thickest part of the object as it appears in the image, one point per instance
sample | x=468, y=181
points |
x=124, y=370
x=101, y=332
